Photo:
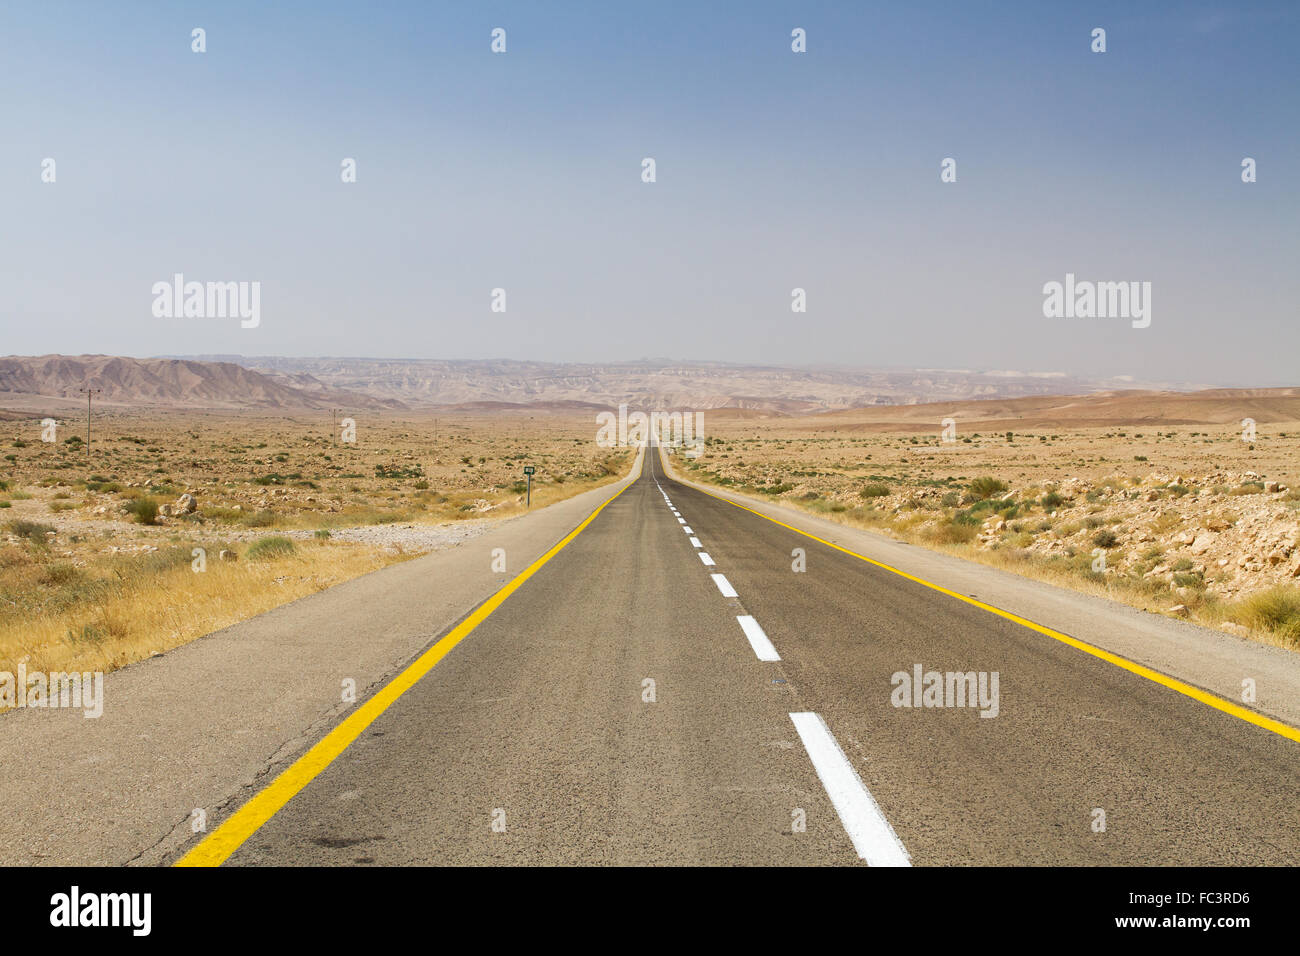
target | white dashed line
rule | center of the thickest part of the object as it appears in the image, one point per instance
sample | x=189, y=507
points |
x=723, y=585
x=704, y=556
x=757, y=639
x=696, y=542
x=688, y=530
x=681, y=521
x=872, y=836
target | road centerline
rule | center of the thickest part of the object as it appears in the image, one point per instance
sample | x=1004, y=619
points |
x=872, y=836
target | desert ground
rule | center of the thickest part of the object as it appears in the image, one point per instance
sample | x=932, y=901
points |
x=1194, y=520
x=176, y=523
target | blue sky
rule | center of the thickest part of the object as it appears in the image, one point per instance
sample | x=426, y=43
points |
x=775, y=170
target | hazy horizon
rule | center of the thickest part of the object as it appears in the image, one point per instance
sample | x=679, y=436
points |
x=829, y=366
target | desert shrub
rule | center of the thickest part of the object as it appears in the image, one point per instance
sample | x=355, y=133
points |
x=874, y=490
x=1276, y=610
x=267, y=549
x=33, y=531
x=60, y=573
x=1105, y=538
x=1051, y=501
x=952, y=532
x=986, y=487
x=321, y=534
x=950, y=500
x=1168, y=521
x=143, y=509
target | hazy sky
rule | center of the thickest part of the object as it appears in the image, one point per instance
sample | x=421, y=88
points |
x=775, y=170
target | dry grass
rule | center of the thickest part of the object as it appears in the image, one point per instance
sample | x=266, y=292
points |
x=58, y=616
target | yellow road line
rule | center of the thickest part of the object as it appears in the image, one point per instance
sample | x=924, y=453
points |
x=1210, y=700
x=227, y=838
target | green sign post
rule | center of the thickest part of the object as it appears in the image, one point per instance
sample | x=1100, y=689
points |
x=528, y=470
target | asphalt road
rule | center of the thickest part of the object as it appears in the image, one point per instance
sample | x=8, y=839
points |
x=538, y=739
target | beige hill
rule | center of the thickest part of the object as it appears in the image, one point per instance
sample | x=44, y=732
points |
x=169, y=382
x=1130, y=407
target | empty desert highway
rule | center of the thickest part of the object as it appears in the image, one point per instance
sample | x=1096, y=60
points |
x=539, y=739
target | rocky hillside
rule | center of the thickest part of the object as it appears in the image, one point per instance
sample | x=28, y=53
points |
x=169, y=382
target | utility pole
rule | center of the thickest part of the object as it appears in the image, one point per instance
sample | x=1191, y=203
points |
x=89, y=391
x=334, y=421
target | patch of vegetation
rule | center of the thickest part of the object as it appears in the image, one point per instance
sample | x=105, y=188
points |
x=400, y=471
x=1276, y=611
x=266, y=549
x=143, y=510
x=32, y=531
x=986, y=487
x=1105, y=538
